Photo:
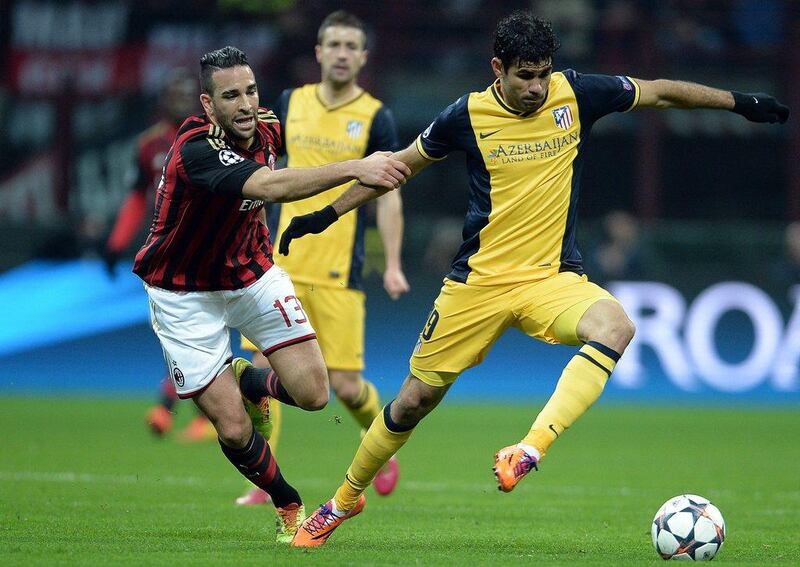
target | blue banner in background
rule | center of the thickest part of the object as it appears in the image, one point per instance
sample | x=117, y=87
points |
x=46, y=303
x=731, y=338
x=69, y=328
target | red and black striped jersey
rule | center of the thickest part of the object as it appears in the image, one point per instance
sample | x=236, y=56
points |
x=205, y=235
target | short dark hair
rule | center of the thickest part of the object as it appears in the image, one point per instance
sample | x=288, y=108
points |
x=522, y=37
x=212, y=61
x=341, y=18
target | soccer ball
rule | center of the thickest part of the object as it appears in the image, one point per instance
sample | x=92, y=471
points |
x=688, y=527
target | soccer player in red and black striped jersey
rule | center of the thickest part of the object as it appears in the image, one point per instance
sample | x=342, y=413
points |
x=178, y=100
x=207, y=267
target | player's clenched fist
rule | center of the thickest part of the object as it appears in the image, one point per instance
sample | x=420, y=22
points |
x=760, y=107
x=312, y=223
x=382, y=171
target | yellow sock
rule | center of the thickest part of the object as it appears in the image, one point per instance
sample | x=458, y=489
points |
x=377, y=447
x=581, y=383
x=276, y=417
x=367, y=406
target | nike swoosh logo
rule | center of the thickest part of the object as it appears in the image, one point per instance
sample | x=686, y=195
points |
x=553, y=429
x=485, y=135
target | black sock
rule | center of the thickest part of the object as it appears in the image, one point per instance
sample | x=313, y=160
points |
x=259, y=382
x=256, y=463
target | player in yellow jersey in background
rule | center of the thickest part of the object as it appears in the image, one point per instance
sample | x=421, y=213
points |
x=519, y=265
x=326, y=122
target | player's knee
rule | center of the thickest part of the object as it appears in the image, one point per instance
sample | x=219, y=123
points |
x=316, y=401
x=618, y=332
x=610, y=326
x=623, y=329
x=428, y=400
x=405, y=413
x=314, y=396
x=347, y=386
x=629, y=330
x=347, y=395
x=411, y=406
x=234, y=433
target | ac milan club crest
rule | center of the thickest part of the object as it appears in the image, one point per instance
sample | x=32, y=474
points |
x=177, y=375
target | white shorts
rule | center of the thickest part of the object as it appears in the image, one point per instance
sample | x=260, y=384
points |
x=193, y=326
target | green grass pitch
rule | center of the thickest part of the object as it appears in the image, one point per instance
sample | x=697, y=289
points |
x=83, y=482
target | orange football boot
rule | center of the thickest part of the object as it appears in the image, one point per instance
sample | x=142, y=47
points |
x=319, y=526
x=511, y=464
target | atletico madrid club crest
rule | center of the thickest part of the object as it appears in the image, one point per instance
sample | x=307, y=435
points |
x=563, y=117
x=354, y=128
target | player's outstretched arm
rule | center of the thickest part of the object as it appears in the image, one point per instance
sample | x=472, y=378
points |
x=355, y=196
x=380, y=170
x=756, y=107
x=361, y=193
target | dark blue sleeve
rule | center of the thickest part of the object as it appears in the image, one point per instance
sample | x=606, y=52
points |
x=598, y=95
x=281, y=110
x=383, y=133
x=446, y=133
x=282, y=106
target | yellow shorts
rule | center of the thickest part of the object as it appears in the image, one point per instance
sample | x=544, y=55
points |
x=467, y=320
x=337, y=316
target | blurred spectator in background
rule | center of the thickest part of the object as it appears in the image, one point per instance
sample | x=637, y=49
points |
x=787, y=271
x=690, y=30
x=619, y=27
x=618, y=256
x=575, y=20
x=179, y=98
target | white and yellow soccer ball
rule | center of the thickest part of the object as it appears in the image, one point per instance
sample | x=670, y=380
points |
x=688, y=527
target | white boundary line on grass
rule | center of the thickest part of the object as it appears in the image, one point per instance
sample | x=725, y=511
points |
x=90, y=478
x=418, y=486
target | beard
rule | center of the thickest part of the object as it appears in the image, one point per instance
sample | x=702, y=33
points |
x=233, y=131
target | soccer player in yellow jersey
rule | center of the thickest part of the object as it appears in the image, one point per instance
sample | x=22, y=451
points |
x=326, y=122
x=519, y=265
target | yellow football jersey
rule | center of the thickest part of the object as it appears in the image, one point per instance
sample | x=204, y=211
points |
x=316, y=134
x=524, y=174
